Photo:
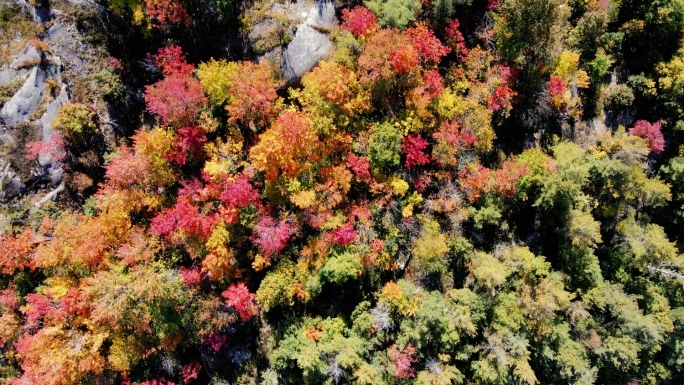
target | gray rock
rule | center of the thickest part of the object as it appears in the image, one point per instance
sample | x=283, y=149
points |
x=55, y=175
x=261, y=30
x=322, y=15
x=28, y=57
x=7, y=138
x=51, y=196
x=64, y=43
x=7, y=75
x=54, y=68
x=297, y=11
x=305, y=51
x=10, y=184
x=273, y=56
x=51, y=111
x=309, y=46
x=624, y=119
x=597, y=127
x=49, y=164
x=13, y=187
x=56, y=30
x=26, y=100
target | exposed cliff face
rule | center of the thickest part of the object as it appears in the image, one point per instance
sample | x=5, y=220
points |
x=27, y=116
x=36, y=79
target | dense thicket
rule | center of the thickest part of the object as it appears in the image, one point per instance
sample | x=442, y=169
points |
x=465, y=192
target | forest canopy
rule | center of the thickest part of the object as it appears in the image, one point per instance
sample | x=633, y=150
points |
x=463, y=192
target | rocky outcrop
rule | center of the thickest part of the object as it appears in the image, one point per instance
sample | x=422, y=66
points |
x=27, y=116
x=293, y=35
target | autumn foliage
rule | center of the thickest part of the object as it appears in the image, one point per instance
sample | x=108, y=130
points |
x=166, y=12
x=359, y=21
x=178, y=97
x=651, y=132
x=426, y=205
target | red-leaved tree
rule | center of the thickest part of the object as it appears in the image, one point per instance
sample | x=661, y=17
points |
x=176, y=99
x=239, y=192
x=359, y=21
x=271, y=237
x=188, y=145
x=404, y=59
x=186, y=217
x=344, y=235
x=429, y=47
x=455, y=39
x=239, y=298
x=252, y=98
x=403, y=361
x=414, y=146
x=171, y=60
x=360, y=166
x=167, y=12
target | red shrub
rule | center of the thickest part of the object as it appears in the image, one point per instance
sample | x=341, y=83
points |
x=501, y=98
x=8, y=298
x=402, y=360
x=455, y=38
x=191, y=276
x=190, y=372
x=239, y=298
x=344, y=235
x=452, y=133
x=433, y=83
x=183, y=216
x=413, y=146
x=404, y=59
x=176, y=99
x=651, y=132
x=359, y=21
x=428, y=46
x=475, y=180
x=53, y=146
x=215, y=341
x=271, y=237
x=167, y=12
x=188, y=144
x=240, y=193
x=171, y=60
x=556, y=86
x=360, y=166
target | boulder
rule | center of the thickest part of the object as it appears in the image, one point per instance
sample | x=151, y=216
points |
x=309, y=45
x=26, y=100
x=305, y=51
x=10, y=184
